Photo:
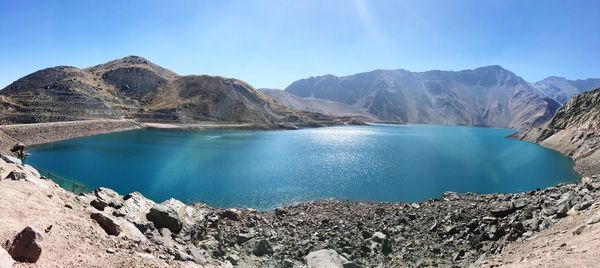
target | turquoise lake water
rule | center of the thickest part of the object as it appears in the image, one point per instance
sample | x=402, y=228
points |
x=266, y=169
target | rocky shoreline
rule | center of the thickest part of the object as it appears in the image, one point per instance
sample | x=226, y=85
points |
x=455, y=230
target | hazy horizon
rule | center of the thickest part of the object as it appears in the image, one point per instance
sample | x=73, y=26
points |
x=271, y=44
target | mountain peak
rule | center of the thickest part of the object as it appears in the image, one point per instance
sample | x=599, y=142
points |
x=494, y=68
x=133, y=59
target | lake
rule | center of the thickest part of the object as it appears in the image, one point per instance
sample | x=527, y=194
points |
x=266, y=169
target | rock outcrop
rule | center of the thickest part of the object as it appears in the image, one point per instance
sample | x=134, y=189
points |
x=486, y=96
x=574, y=130
x=27, y=245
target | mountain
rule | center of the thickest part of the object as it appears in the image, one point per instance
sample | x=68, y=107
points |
x=574, y=130
x=562, y=90
x=317, y=105
x=133, y=87
x=486, y=96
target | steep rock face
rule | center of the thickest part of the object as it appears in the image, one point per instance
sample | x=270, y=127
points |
x=487, y=96
x=562, y=90
x=574, y=130
x=133, y=87
x=328, y=107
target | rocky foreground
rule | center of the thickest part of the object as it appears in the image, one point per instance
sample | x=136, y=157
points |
x=42, y=222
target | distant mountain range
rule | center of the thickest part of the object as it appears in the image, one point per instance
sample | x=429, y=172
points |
x=486, y=96
x=133, y=87
x=317, y=105
x=562, y=90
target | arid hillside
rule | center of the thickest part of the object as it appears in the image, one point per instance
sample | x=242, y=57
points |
x=135, y=88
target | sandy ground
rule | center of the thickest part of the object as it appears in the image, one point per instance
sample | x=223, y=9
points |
x=72, y=238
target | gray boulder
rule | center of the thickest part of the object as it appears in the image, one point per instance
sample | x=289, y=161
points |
x=378, y=237
x=27, y=245
x=232, y=214
x=164, y=217
x=324, y=258
x=263, y=247
x=106, y=197
x=16, y=176
x=134, y=209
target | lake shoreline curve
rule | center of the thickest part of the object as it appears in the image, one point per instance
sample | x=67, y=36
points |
x=455, y=230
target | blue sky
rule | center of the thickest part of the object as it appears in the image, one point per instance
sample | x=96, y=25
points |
x=273, y=43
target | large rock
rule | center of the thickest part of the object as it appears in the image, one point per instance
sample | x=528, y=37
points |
x=165, y=217
x=16, y=176
x=134, y=209
x=232, y=214
x=27, y=245
x=6, y=261
x=106, y=197
x=107, y=223
x=502, y=209
x=324, y=258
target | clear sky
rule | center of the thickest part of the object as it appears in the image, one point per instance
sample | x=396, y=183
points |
x=273, y=43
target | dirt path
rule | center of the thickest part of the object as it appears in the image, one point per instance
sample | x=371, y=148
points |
x=32, y=134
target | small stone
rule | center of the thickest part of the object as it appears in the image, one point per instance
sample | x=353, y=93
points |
x=488, y=219
x=280, y=212
x=232, y=214
x=579, y=229
x=378, y=237
x=594, y=219
x=458, y=255
x=26, y=247
x=263, y=247
x=110, y=250
x=243, y=237
x=233, y=258
x=450, y=229
x=433, y=227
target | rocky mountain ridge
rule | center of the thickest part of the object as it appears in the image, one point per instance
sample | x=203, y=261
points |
x=135, y=88
x=486, y=96
x=316, y=105
x=574, y=130
x=562, y=89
